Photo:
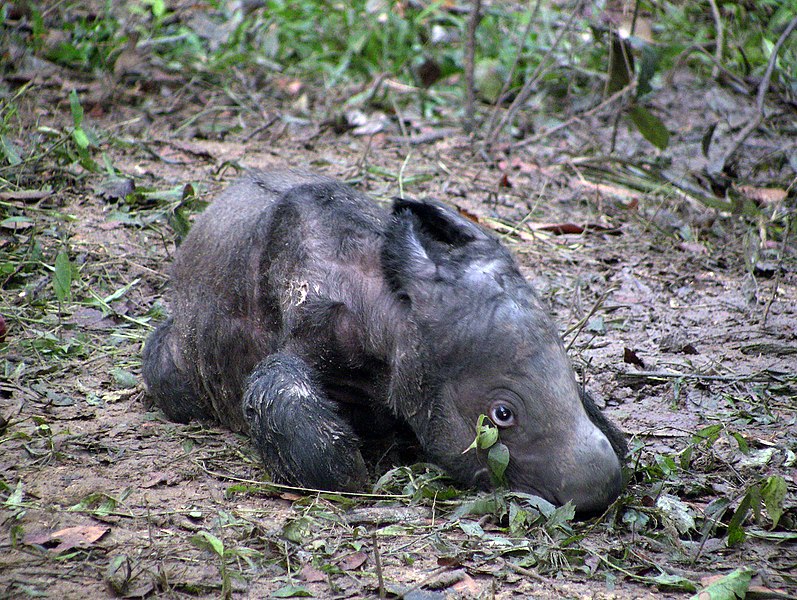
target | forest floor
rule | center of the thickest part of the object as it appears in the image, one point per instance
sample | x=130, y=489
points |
x=681, y=319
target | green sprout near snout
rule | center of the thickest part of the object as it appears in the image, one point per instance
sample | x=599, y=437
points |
x=497, y=453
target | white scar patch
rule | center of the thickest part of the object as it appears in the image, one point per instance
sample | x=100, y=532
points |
x=297, y=292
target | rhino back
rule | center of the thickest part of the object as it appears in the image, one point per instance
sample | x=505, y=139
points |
x=241, y=279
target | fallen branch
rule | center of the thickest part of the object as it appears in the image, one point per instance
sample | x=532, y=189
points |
x=763, y=87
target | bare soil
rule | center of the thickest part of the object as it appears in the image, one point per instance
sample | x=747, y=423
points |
x=671, y=333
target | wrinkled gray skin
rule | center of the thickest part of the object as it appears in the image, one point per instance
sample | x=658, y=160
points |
x=306, y=315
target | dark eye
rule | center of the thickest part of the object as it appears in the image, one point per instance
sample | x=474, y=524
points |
x=502, y=415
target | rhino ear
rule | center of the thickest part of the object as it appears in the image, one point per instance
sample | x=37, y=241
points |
x=439, y=222
x=424, y=243
x=404, y=259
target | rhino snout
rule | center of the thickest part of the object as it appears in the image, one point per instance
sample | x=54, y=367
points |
x=584, y=470
x=595, y=478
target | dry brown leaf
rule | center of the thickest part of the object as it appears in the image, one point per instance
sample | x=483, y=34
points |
x=763, y=196
x=565, y=228
x=353, y=561
x=80, y=536
x=25, y=195
x=312, y=575
x=468, y=587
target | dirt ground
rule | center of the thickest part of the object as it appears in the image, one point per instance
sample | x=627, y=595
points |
x=677, y=317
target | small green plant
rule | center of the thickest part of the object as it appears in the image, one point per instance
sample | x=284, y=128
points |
x=207, y=541
x=497, y=453
x=89, y=42
x=768, y=493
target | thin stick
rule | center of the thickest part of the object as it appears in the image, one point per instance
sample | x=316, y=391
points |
x=578, y=327
x=528, y=87
x=763, y=87
x=752, y=377
x=508, y=81
x=470, y=51
x=378, y=565
x=720, y=38
x=777, y=273
x=588, y=113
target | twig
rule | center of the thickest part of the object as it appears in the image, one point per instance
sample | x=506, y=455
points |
x=763, y=87
x=777, y=273
x=378, y=565
x=470, y=51
x=670, y=375
x=422, y=138
x=508, y=81
x=430, y=577
x=578, y=327
x=720, y=38
x=588, y=113
x=528, y=86
x=525, y=572
x=629, y=69
x=278, y=487
x=261, y=128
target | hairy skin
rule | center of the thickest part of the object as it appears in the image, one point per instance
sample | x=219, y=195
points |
x=304, y=315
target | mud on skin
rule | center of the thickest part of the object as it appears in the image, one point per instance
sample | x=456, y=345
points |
x=302, y=311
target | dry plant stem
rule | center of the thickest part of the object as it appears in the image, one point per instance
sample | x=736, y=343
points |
x=526, y=31
x=763, y=87
x=631, y=76
x=777, y=273
x=525, y=572
x=470, y=51
x=378, y=565
x=578, y=327
x=528, y=87
x=715, y=11
x=430, y=577
x=753, y=377
x=597, y=108
x=683, y=56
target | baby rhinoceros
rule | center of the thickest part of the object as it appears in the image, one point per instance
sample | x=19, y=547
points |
x=311, y=318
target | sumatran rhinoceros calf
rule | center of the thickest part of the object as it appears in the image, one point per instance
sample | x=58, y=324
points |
x=311, y=318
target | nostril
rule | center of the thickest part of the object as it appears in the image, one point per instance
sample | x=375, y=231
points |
x=598, y=480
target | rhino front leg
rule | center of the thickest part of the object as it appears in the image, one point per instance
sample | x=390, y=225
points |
x=167, y=378
x=298, y=430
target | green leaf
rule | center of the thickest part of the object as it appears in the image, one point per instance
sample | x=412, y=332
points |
x=621, y=64
x=561, y=516
x=488, y=79
x=488, y=436
x=482, y=504
x=676, y=512
x=736, y=533
x=62, y=277
x=77, y=109
x=732, y=586
x=124, y=379
x=9, y=150
x=650, y=126
x=709, y=434
x=292, y=591
x=471, y=528
x=80, y=137
x=15, y=499
x=208, y=541
x=296, y=530
x=675, y=582
x=773, y=492
x=743, y=445
x=498, y=460
x=651, y=57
